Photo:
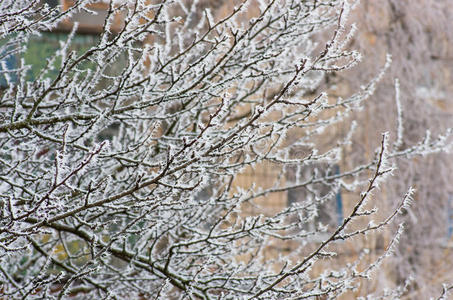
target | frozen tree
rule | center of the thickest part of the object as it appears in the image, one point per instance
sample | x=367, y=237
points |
x=417, y=35
x=118, y=161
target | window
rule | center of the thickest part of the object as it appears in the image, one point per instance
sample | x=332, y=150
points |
x=7, y=66
x=329, y=205
x=450, y=216
x=40, y=48
x=52, y=3
x=338, y=200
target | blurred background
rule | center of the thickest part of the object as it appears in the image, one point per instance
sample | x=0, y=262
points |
x=418, y=34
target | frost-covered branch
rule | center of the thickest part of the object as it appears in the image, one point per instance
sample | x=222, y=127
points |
x=121, y=161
